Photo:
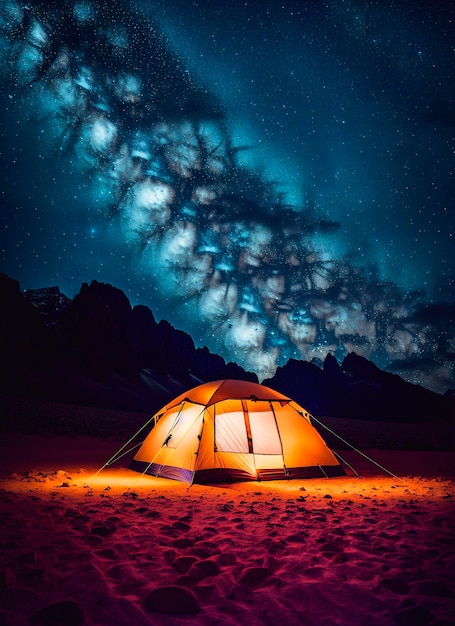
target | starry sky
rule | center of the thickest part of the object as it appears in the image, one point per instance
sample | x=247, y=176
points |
x=275, y=178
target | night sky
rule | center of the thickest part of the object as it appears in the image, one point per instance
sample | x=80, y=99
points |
x=275, y=178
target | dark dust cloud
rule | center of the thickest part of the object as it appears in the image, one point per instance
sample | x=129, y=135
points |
x=275, y=178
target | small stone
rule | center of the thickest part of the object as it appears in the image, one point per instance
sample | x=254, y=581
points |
x=12, y=618
x=64, y=613
x=203, y=569
x=7, y=577
x=179, y=525
x=172, y=599
x=183, y=563
x=434, y=588
x=181, y=543
x=300, y=537
x=254, y=576
x=395, y=585
x=340, y=558
x=414, y=616
x=330, y=548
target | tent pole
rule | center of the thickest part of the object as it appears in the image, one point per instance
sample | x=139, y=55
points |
x=286, y=473
x=144, y=472
x=169, y=431
x=356, y=449
x=323, y=471
x=166, y=441
x=197, y=452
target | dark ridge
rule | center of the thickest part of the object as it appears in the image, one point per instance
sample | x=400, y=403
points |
x=97, y=350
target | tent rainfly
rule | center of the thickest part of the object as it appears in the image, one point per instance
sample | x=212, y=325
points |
x=231, y=430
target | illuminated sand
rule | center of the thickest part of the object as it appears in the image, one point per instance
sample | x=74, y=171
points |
x=377, y=550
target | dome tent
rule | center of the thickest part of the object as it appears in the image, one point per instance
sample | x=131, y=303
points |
x=231, y=430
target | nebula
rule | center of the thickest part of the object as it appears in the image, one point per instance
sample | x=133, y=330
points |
x=137, y=148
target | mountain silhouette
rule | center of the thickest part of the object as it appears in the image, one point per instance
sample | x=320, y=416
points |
x=98, y=350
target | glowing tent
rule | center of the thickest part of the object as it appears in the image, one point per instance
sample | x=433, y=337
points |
x=232, y=430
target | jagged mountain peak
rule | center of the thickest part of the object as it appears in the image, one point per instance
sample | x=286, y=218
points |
x=97, y=340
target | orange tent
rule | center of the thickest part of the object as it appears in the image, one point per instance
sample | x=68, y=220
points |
x=232, y=430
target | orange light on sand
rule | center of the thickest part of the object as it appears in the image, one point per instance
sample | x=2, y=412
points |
x=76, y=482
x=123, y=481
x=117, y=483
x=126, y=479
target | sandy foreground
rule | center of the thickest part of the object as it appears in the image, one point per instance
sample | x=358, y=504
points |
x=121, y=549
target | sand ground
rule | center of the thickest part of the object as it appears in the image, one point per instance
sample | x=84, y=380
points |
x=121, y=549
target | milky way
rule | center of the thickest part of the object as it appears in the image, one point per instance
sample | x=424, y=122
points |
x=276, y=181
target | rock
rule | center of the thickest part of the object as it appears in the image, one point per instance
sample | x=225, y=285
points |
x=183, y=563
x=12, y=618
x=107, y=553
x=172, y=599
x=182, y=543
x=330, y=547
x=414, y=616
x=63, y=613
x=254, y=576
x=16, y=596
x=179, y=525
x=434, y=588
x=340, y=558
x=396, y=585
x=204, y=569
x=300, y=537
x=7, y=577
